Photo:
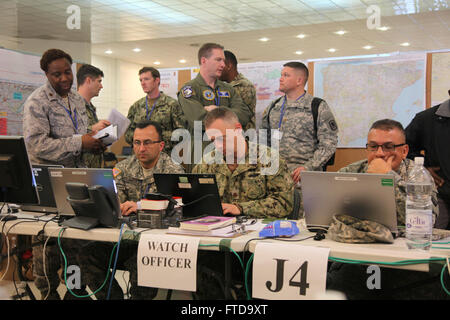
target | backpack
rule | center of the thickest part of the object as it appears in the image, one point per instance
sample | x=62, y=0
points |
x=315, y=112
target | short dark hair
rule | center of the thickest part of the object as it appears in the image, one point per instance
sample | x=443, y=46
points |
x=146, y=123
x=155, y=73
x=299, y=66
x=231, y=58
x=223, y=113
x=388, y=124
x=205, y=50
x=52, y=55
x=87, y=70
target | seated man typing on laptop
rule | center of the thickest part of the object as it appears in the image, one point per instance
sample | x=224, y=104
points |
x=132, y=177
x=386, y=153
x=135, y=174
x=245, y=189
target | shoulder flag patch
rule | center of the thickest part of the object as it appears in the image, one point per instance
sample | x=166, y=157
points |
x=116, y=172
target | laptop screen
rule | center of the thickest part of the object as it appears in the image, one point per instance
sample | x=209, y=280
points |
x=199, y=192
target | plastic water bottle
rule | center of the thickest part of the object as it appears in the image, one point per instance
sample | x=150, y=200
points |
x=419, y=213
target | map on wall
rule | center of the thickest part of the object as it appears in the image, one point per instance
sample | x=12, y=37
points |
x=361, y=91
x=20, y=75
x=440, y=77
x=169, y=82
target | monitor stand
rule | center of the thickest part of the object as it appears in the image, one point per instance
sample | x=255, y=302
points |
x=84, y=223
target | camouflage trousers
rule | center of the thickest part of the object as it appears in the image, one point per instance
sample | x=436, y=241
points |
x=94, y=262
x=53, y=262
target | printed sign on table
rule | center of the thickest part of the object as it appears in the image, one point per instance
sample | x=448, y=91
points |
x=167, y=261
x=289, y=271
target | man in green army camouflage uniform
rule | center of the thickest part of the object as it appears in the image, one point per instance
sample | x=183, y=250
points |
x=89, y=79
x=243, y=187
x=243, y=86
x=206, y=92
x=386, y=153
x=291, y=114
x=133, y=176
x=303, y=145
x=155, y=106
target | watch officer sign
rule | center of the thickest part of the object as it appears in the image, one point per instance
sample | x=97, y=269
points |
x=166, y=261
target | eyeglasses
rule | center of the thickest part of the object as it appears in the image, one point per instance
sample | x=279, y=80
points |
x=241, y=223
x=387, y=147
x=146, y=143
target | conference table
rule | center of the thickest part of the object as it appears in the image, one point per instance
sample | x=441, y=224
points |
x=375, y=252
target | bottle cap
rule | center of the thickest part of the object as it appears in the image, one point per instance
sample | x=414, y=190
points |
x=418, y=161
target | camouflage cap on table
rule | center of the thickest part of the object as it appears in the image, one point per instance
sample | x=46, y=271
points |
x=352, y=230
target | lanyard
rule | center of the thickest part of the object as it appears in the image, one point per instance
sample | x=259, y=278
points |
x=74, y=120
x=217, y=97
x=153, y=107
x=282, y=109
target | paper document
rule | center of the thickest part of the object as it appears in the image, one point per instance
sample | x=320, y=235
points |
x=122, y=122
x=108, y=135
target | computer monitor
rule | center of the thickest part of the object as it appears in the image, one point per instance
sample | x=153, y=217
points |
x=47, y=203
x=199, y=192
x=90, y=178
x=17, y=183
x=364, y=196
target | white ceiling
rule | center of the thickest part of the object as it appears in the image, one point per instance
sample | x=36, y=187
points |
x=170, y=30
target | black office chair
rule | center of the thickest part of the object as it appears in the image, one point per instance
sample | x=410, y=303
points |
x=109, y=160
x=294, y=215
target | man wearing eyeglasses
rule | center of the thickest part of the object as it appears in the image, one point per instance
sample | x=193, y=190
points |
x=135, y=174
x=386, y=153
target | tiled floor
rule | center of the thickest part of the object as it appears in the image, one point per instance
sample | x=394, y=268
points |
x=7, y=289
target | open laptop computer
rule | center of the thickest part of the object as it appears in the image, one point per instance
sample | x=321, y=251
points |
x=89, y=176
x=47, y=203
x=199, y=192
x=361, y=195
